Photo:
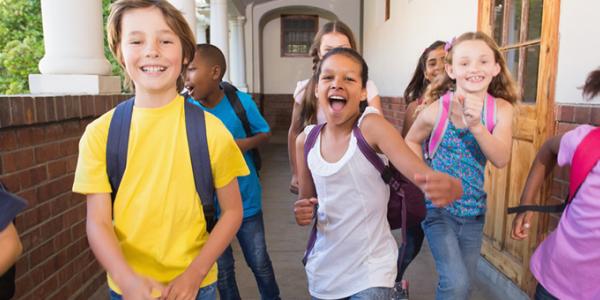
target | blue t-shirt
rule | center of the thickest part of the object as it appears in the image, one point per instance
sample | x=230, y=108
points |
x=249, y=185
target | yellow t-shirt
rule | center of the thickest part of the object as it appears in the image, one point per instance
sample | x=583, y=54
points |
x=157, y=213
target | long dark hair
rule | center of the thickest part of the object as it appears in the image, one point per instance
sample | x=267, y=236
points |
x=418, y=83
x=591, y=88
x=309, y=105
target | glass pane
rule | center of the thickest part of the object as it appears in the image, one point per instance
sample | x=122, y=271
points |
x=512, y=62
x=514, y=22
x=498, y=20
x=530, y=73
x=534, y=26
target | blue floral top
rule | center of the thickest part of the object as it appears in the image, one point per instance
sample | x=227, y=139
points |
x=459, y=155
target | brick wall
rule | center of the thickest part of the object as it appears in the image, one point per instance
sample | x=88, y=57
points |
x=38, y=153
x=393, y=110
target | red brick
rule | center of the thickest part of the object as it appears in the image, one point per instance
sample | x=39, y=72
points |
x=29, y=239
x=28, y=110
x=16, y=160
x=87, y=106
x=595, y=116
x=25, y=136
x=51, y=109
x=72, y=129
x=12, y=182
x=27, y=220
x=60, y=107
x=5, y=116
x=78, y=230
x=72, y=107
x=45, y=288
x=69, y=147
x=53, y=132
x=51, y=227
x=42, y=253
x=22, y=265
x=47, y=152
x=29, y=196
x=8, y=140
x=583, y=114
x=40, y=109
x=17, y=109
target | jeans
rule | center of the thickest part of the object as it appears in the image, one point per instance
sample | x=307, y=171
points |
x=208, y=292
x=455, y=244
x=251, y=237
x=374, y=293
x=542, y=294
x=414, y=241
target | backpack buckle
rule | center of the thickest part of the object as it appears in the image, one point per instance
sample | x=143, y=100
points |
x=387, y=174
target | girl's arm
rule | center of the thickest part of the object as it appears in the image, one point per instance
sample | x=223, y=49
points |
x=11, y=247
x=304, y=207
x=252, y=142
x=439, y=187
x=542, y=166
x=104, y=244
x=186, y=285
x=292, y=135
x=421, y=129
x=376, y=103
x=496, y=146
x=409, y=117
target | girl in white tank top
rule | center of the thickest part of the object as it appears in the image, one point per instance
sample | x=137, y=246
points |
x=354, y=254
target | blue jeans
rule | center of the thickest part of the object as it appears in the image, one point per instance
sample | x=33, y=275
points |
x=542, y=294
x=414, y=241
x=208, y=292
x=455, y=244
x=374, y=293
x=251, y=237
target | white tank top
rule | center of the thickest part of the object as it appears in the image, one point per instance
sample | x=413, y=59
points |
x=354, y=249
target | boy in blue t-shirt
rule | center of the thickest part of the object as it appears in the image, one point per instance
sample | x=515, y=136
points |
x=203, y=76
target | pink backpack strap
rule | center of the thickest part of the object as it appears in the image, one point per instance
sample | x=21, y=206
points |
x=585, y=158
x=440, y=126
x=489, y=109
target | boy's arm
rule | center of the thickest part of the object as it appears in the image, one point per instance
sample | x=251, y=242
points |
x=304, y=207
x=258, y=125
x=104, y=244
x=186, y=285
x=11, y=247
x=496, y=146
x=252, y=142
x=542, y=166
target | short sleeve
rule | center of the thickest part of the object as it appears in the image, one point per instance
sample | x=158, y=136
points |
x=257, y=122
x=569, y=143
x=10, y=206
x=90, y=173
x=226, y=160
x=372, y=90
x=299, y=91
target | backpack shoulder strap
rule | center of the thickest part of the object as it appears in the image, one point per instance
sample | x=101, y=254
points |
x=490, y=112
x=231, y=93
x=585, y=158
x=117, y=144
x=198, y=144
x=440, y=126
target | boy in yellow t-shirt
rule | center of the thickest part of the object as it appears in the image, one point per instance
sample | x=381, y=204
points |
x=153, y=240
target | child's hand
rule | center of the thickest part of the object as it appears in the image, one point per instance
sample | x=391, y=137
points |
x=521, y=224
x=304, y=210
x=472, y=107
x=141, y=288
x=184, y=287
x=439, y=187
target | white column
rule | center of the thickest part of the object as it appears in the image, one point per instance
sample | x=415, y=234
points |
x=237, y=54
x=202, y=23
x=74, y=59
x=188, y=10
x=219, y=33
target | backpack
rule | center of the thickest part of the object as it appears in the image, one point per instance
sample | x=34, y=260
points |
x=118, y=140
x=584, y=159
x=231, y=93
x=402, y=213
x=441, y=123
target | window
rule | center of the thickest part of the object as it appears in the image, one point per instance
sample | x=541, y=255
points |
x=517, y=27
x=297, y=34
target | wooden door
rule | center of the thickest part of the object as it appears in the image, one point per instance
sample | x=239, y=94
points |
x=527, y=33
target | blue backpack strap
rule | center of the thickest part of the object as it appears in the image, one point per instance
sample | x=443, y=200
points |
x=198, y=144
x=117, y=143
x=440, y=126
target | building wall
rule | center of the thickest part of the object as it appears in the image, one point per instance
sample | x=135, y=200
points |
x=392, y=47
x=39, y=139
x=579, y=30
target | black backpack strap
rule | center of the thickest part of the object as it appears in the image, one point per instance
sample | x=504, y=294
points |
x=198, y=144
x=117, y=143
x=539, y=208
x=231, y=93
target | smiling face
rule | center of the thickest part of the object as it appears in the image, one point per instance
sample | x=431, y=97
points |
x=150, y=51
x=473, y=66
x=340, y=88
x=201, y=78
x=434, y=64
x=333, y=40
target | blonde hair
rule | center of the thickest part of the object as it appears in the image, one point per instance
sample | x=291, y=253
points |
x=502, y=85
x=174, y=20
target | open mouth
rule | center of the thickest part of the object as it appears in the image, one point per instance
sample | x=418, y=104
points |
x=337, y=103
x=475, y=79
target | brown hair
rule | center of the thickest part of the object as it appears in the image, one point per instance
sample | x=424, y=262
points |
x=174, y=20
x=591, y=88
x=502, y=85
x=308, y=113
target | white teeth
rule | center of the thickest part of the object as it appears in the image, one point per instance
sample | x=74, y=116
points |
x=153, y=69
x=337, y=98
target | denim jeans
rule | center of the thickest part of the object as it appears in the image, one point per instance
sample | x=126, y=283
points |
x=542, y=294
x=414, y=241
x=374, y=293
x=455, y=244
x=251, y=238
x=208, y=292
